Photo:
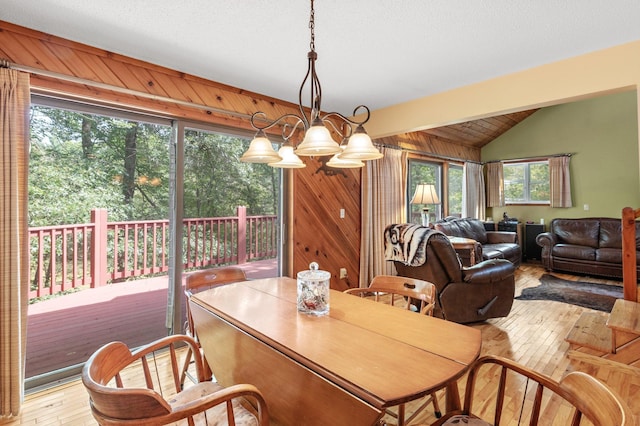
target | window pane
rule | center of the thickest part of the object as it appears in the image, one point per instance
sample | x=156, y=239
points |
x=421, y=172
x=455, y=190
x=514, y=180
x=539, y=182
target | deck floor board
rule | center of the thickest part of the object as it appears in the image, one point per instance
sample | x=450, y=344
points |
x=64, y=331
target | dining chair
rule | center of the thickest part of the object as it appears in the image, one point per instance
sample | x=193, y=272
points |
x=203, y=280
x=521, y=394
x=411, y=294
x=142, y=387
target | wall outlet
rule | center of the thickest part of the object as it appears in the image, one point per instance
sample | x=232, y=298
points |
x=586, y=207
x=343, y=273
x=341, y=213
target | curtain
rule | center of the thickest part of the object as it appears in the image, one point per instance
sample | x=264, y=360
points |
x=14, y=238
x=474, y=203
x=495, y=184
x=383, y=197
x=559, y=181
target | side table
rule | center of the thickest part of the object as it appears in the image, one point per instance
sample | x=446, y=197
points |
x=466, y=249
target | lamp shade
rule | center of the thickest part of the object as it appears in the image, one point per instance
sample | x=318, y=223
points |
x=289, y=159
x=317, y=141
x=260, y=151
x=425, y=194
x=340, y=163
x=360, y=147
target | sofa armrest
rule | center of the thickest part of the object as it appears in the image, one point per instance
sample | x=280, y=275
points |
x=489, y=271
x=546, y=240
x=496, y=237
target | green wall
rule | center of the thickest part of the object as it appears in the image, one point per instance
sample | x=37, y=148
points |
x=602, y=135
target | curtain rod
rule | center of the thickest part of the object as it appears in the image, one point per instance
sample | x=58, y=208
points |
x=537, y=157
x=436, y=156
x=4, y=63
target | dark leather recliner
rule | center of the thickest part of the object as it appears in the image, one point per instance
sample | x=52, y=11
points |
x=464, y=294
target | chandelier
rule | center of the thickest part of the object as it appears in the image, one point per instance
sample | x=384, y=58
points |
x=355, y=147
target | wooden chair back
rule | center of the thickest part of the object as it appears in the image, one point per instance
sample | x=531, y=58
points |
x=206, y=279
x=410, y=293
x=143, y=388
x=522, y=394
x=629, y=253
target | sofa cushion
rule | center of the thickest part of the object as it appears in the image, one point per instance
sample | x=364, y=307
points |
x=611, y=234
x=491, y=253
x=583, y=232
x=465, y=228
x=571, y=251
x=613, y=255
x=508, y=250
x=609, y=255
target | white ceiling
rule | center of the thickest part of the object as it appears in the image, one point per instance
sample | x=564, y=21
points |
x=372, y=52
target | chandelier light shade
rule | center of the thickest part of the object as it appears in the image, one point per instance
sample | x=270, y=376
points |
x=318, y=141
x=344, y=163
x=317, y=128
x=425, y=194
x=289, y=160
x=360, y=147
x=260, y=150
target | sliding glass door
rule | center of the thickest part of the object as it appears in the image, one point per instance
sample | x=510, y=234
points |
x=98, y=218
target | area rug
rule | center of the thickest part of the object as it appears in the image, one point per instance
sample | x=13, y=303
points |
x=600, y=297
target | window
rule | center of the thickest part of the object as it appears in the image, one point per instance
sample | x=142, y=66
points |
x=423, y=172
x=526, y=182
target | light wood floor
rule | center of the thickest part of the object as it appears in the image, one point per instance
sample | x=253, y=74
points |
x=533, y=335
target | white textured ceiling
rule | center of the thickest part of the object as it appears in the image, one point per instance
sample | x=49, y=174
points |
x=373, y=52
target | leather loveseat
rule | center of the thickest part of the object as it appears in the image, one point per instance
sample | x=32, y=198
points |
x=464, y=294
x=591, y=246
x=492, y=244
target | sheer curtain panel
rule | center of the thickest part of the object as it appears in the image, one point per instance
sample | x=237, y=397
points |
x=560, y=181
x=14, y=237
x=474, y=202
x=384, y=200
x=495, y=184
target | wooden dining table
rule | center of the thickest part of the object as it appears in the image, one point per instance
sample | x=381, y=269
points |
x=343, y=368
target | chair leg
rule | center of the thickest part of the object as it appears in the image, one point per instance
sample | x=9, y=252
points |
x=436, y=406
x=185, y=367
x=432, y=399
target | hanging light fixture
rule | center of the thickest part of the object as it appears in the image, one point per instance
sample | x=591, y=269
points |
x=317, y=139
x=288, y=158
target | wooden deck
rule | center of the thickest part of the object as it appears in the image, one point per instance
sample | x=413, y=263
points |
x=64, y=331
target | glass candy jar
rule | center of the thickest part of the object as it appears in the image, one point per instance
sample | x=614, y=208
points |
x=313, y=291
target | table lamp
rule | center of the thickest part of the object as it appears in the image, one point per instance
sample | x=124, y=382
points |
x=425, y=194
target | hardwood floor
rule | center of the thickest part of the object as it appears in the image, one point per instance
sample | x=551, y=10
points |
x=533, y=335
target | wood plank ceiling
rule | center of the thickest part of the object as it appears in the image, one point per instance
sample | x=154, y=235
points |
x=478, y=133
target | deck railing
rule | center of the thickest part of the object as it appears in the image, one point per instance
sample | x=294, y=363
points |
x=94, y=254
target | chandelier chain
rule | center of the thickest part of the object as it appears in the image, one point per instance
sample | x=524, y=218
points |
x=312, y=27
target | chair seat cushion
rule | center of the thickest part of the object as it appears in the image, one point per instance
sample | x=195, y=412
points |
x=216, y=416
x=463, y=419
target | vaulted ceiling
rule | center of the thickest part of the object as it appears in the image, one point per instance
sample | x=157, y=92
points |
x=478, y=133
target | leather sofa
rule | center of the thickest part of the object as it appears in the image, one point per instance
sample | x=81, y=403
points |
x=464, y=294
x=492, y=244
x=591, y=246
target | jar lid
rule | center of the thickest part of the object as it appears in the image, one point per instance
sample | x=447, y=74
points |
x=314, y=274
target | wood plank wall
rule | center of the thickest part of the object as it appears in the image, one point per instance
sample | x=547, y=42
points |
x=318, y=233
